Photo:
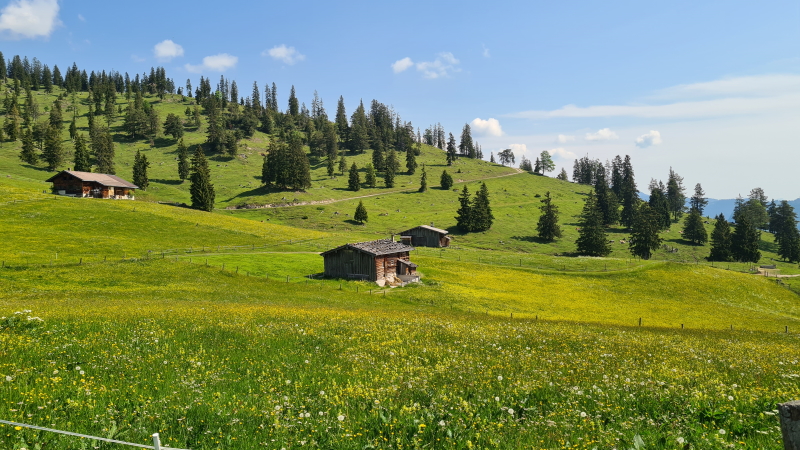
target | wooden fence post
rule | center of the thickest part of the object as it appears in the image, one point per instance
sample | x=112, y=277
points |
x=789, y=413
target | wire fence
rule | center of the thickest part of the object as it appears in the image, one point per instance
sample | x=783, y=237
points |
x=156, y=438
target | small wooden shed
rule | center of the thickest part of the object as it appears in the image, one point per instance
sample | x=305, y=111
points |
x=425, y=236
x=91, y=185
x=383, y=261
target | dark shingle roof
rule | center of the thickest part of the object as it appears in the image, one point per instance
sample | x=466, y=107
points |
x=376, y=248
x=436, y=230
x=100, y=178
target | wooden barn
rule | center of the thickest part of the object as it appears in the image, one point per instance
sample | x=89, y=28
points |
x=91, y=185
x=382, y=261
x=425, y=236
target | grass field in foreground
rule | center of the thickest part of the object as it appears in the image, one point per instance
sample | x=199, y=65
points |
x=214, y=360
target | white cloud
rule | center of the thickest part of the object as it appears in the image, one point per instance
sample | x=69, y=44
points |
x=442, y=66
x=602, y=135
x=402, y=64
x=486, y=53
x=81, y=18
x=562, y=153
x=563, y=139
x=166, y=50
x=29, y=18
x=489, y=127
x=137, y=58
x=719, y=98
x=518, y=149
x=287, y=55
x=651, y=138
x=217, y=63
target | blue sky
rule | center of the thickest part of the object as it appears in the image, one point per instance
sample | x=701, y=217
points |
x=709, y=88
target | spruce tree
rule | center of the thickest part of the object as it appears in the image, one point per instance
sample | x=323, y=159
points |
x=744, y=242
x=361, y=213
x=548, y=228
x=658, y=203
x=391, y=168
x=201, y=190
x=592, y=240
x=294, y=106
x=446, y=180
x=183, y=160
x=491, y=158
x=82, y=159
x=563, y=176
x=644, y=239
x=103, y=148
x=11, y=123
x=606, y=200
x=342, y=165
x=698, y=200
x=342, y=127
x=465, y=146
x=628, y=193
x=28, y=154
x=73, y=129
x=676, y=195
x=786, y=234
x=354, y=182
x=721, y=241
x=481, y=215
x=451, y=150
x=331, y=165
x=423, y=182
x=53, y=153
x=297, y=172
x=693, y=228
x=370, y=177
x=173, y=125
x=464, y=212
x=267, y=170
x=411, y=161
x=140, y=166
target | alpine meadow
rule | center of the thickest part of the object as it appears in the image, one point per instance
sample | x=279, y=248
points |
x=191, y=259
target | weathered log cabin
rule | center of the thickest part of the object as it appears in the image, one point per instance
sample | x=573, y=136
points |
x=91, y=185
x=425, y=236
x=382, y=261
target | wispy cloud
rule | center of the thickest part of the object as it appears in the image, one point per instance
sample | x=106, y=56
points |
x=444, y=65
x=137, y=58
x=167, y=50
x=651, y=138
x=486, y=53
x=287, y=55
x=720, y=98
x=563, y=138
x=562, y=153
x=490, y=127
x=81, y=18
x=217, y=63
x=602, y=135
x=29, y=19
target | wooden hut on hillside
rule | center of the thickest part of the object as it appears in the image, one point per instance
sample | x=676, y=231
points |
x=382, y=261
x=425, y=236
x=91, y=185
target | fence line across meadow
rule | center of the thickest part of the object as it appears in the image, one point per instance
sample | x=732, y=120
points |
x=156, y=438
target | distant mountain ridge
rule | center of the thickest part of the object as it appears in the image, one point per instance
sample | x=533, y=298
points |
x=724, y=206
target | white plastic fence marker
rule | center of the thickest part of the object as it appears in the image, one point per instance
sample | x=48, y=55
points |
x=156, y=442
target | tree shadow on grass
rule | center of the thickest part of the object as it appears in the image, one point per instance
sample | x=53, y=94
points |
x=167, y=181
x=41, y=169
x=535, y=239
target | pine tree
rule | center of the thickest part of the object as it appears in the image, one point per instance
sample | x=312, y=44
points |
x=357, y=135
x=491, y=158
x=342, y=127
x=423, y=182
x=342, y=165
x=202, y=191
x=391, y=168
x=786, y=234
x=548, y=227
x=354, y=182
x=140, y=166
x=563, y=175
x=370, y=177
x=331, y=165
x=481, y=217
x=446, y=180
x=606, y=200
x=721, y=241
x=698, y=200
x=464, y=212
x=11, y=123
x=294, y=172
x=628, y=193
x=28, y=154
x=451, y=150
x=465, y=146
x=173, y=125
x=267, y=171
x=411, y=161
x=644, y=239
x=53, y=153
x=676, y=195
x=103, y=148
x=294, y=107
x=744, y=242
x=546, y=162
x=658, y=203
x=361, y=213
x=82, y=159
x=693, y=228
x=592, y=238
x=183, y=161
x=73, y=128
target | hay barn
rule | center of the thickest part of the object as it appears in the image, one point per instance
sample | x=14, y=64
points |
x=425, y=236
x=382, y=261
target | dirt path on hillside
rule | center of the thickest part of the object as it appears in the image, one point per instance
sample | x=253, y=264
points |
x=770, y=273
x=329, y=201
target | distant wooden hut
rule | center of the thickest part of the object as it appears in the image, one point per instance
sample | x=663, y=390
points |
x=92, y=185
x=425, y=236
x=382, y=261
